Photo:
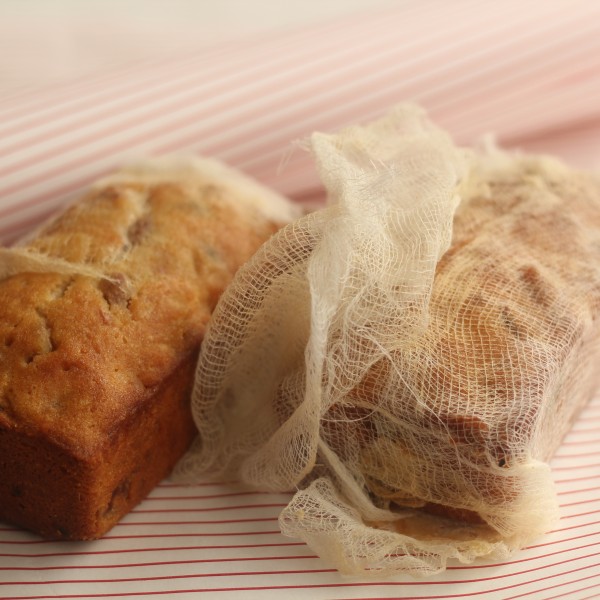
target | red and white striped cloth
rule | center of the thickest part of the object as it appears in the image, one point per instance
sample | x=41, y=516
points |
x=527, y=71
x=217, y=541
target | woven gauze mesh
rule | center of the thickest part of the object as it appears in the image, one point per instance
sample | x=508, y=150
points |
x=409, y=356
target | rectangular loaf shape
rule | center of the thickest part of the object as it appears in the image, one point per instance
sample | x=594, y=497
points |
x=409, y=357
x=102, y=312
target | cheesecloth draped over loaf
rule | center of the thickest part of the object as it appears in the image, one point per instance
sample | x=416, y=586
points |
x=408, y=357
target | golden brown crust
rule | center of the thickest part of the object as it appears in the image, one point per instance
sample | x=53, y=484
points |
x=96, y=371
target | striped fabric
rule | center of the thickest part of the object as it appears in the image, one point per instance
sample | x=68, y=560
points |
x=529, y=72
x=217, y=541
x=522, y=70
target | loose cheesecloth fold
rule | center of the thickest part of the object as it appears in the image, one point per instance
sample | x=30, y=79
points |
x=410, y=356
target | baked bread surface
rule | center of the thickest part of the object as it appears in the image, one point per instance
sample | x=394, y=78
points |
x=97, y=357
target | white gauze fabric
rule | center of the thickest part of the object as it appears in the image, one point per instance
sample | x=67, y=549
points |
x=409, y=356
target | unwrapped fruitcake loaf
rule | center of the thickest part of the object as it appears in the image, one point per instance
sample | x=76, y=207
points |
x=412, y=354
x=102, y=312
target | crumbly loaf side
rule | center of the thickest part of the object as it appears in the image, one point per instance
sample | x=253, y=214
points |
x=85, y=359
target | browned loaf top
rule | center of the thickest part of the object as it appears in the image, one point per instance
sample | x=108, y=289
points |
x=101, y=316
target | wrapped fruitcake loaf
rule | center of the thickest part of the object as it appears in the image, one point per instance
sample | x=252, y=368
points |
x=412, y=354
x=102, y=312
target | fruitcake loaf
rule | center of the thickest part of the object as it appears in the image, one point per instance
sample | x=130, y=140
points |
x=413, y=353
x=102, y=312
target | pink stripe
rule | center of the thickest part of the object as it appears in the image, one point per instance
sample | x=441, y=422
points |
x=43, y=542
x=578, y=491
x=196, y=534
x=170, y=485
x=211, y=509
x=583, y=514
x=588, y=420
x=554, y=586
x=573, y=467
x=574, y=479
x=216, y=522
x=167, y=549
x=578, y=442
x=501, y=589
x=223, y=495
x=65, y=189
x=579, y=502
x=173, y=577
x=162, y=563
x=571, y=592
x=561, y=541
x=523, y=560
x=574, y=526
x=593, y=597
x=580, y=455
